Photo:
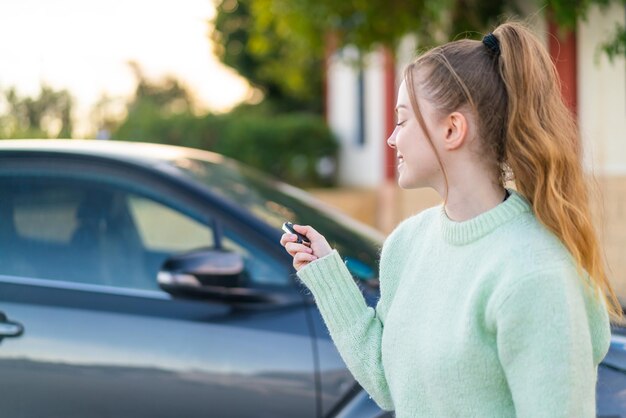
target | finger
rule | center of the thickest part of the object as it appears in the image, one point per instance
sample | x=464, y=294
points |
x=294, y=248
x=285, y=238
x=307, y=231
x=301, y=258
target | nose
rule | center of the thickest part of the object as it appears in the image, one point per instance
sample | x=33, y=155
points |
x=391, y=141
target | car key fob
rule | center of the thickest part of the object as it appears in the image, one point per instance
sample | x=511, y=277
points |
x=288, y=228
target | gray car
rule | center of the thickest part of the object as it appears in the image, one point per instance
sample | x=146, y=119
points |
x=147, y=281
x=142, y=280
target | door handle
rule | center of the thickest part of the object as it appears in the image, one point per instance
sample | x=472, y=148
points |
x=9, y=328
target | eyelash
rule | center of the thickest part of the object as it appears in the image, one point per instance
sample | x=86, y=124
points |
x=401, y=123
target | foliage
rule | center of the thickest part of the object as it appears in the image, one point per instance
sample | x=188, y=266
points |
x=263, y=27
x=292, y=146
x=297, y=147
x=46, y=116
x=248, y=38
x=567, y=12
x=288, y=146
x=616, y=47
x=167, y=96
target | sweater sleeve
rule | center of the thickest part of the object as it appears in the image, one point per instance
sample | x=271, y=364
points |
x=549, y=342
x=355, y=328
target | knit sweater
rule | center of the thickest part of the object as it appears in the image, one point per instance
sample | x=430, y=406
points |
x=483, y=318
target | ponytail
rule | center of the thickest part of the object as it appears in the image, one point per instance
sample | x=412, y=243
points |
x=543, y=151
x=510, y=84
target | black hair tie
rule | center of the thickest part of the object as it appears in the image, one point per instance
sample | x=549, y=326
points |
x=492, y=43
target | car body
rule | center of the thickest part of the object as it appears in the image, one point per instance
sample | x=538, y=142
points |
x=147, y=281
x=87, y=330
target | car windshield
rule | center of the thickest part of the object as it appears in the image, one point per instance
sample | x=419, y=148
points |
x=276, y=202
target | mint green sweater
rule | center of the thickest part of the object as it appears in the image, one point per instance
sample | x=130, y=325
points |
x=483, y=318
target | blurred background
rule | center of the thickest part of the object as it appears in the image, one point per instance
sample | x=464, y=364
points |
x=302, y=89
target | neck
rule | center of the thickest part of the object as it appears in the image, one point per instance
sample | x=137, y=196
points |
x=468, y=199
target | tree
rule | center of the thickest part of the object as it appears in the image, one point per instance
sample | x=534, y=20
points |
x=616, y=45
x=167, y=96
x=295, y=147
x=258, y=43
x=46, y=116
x=152, y=103
x=277, y=43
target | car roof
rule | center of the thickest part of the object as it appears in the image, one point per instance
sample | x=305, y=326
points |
x=136, y=152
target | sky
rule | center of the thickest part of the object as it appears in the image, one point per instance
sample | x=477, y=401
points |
x=84, y=46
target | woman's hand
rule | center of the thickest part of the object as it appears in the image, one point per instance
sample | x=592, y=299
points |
x=306, y=252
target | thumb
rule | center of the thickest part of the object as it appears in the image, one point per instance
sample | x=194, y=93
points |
x=319, y=245
x=307, y=231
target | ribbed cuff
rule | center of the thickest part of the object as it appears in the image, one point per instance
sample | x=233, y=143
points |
x=338, y=297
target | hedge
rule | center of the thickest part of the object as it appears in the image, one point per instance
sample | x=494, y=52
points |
x=298, y=148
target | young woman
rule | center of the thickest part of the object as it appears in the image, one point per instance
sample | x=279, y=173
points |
x=496, y=303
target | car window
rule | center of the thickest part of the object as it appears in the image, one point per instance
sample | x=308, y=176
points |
x=276, y=202
x=69, y=230
x=261, y=268
x=97, y=232
x=47, y=215
x=164, y=229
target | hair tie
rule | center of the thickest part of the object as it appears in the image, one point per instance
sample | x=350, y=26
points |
x=492, y=43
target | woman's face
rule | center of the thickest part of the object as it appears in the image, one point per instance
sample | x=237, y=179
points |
x=417, y=162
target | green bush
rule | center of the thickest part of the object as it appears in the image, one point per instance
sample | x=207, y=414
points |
x=296, y=148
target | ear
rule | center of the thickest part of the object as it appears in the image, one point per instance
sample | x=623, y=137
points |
x=455, y=125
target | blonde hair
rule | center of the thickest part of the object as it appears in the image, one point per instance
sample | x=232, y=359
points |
x=525, y=128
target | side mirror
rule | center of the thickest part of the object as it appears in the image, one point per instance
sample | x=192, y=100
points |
x=208, y=274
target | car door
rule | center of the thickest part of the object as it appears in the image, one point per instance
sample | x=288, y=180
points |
x=86, y=332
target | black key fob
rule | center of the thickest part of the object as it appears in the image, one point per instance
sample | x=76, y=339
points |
x=288, y=228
